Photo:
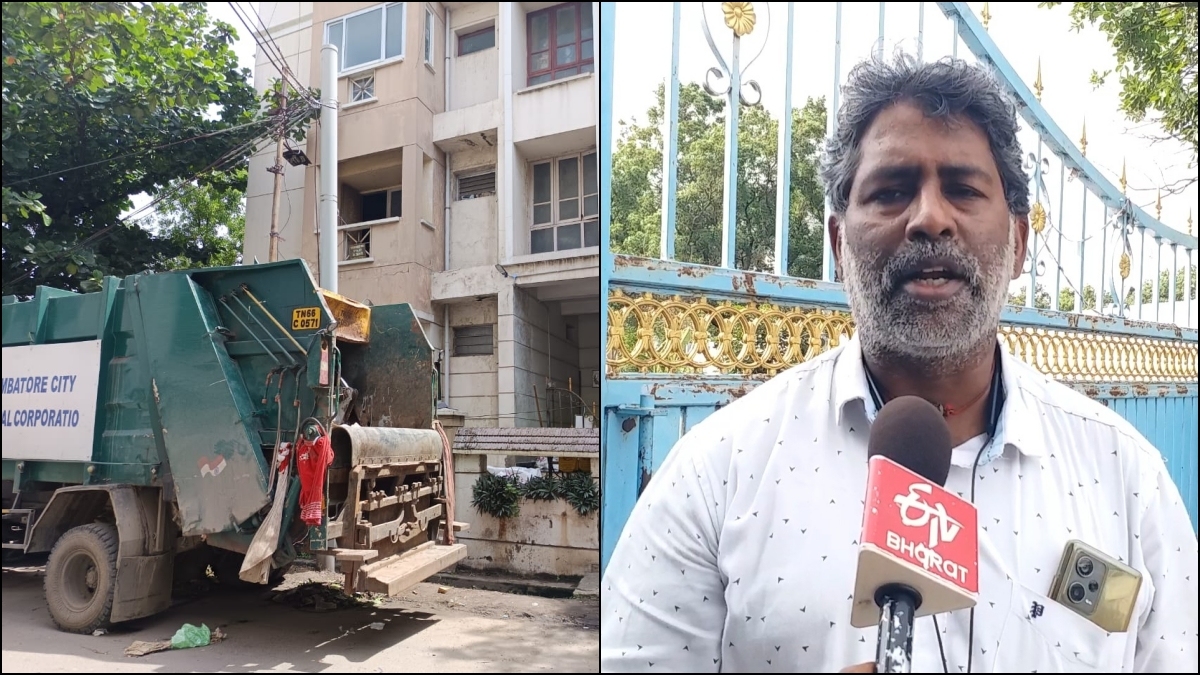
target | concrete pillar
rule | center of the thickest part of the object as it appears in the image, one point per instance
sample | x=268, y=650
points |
x=507, y=191
x=506, y=362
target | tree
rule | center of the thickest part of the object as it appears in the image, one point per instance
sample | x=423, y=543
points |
x=1066, y=296
x=206, y=221
x=1155, y=46
x=92, y=94
x=637, y=184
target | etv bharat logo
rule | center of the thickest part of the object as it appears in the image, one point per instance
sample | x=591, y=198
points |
x=941, y=526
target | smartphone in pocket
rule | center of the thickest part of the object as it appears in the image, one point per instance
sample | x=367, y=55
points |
x=1096, y=586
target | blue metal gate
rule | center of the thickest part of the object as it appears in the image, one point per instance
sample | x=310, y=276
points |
x=682, y=340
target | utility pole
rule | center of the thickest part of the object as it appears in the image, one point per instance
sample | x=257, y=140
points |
x=277, y=169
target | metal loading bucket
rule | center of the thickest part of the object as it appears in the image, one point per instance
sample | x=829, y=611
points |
x=385, y=445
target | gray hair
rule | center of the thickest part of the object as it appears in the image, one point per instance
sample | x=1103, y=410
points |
x=942, y=89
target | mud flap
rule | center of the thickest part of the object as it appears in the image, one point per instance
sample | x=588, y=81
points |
x=143, y=586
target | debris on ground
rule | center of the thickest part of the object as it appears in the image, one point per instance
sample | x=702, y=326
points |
x=186, y=636
x=443, y=589
x=98, y=632
x=378, y=625
x=189, y=636
x=316, y=596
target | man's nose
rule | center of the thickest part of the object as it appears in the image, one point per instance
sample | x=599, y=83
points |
x=933, y=215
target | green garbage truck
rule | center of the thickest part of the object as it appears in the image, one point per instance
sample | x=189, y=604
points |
x=224, y=419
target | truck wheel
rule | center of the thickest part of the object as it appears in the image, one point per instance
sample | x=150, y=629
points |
x=81, y=576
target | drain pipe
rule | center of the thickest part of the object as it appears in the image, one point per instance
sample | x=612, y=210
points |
x=446, y=225
x=328, y=189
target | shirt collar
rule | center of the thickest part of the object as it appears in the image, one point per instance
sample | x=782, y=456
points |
x=1019, y=425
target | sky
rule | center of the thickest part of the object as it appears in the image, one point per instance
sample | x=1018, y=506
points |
x=1023, y=32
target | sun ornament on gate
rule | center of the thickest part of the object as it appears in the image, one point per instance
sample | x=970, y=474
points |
x=739, y=17
x=1037, y=218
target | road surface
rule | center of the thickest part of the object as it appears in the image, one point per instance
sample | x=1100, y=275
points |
x=461, y=630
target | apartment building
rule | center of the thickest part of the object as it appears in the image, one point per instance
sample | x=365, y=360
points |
x=468, y=186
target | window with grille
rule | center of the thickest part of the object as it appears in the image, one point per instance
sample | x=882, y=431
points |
x=473, y=340
x=559, y=42
x=362, y=88
x=476, y=185
x=566, y=204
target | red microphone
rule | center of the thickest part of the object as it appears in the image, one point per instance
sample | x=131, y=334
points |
x=920, y=544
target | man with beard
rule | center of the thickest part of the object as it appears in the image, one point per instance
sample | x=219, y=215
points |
x=741, y=553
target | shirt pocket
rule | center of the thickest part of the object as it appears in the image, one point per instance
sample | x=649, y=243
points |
x=1042, y=635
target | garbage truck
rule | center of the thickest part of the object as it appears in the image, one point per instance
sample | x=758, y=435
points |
x=224, y=420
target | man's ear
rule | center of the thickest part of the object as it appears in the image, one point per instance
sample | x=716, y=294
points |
x=1021, y=241
x=835, y=238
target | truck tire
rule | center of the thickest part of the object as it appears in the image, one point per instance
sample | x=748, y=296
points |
x=81, y=578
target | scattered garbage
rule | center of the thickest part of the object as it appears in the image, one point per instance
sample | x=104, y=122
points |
x=186, y=637
x=535, y=604
x=443, y=589
x=98, y=632
x=378, y=625
x=315, y=596
x=189, y=636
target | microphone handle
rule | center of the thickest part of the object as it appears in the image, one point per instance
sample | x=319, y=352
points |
x=897, y=607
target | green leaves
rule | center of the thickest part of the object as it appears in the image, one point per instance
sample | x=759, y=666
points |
x=637, y=185
x=500, y=496
x=86, y=83
x=1155, y=44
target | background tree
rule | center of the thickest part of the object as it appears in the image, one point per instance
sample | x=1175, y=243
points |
x=637, y=184
x=1155, y=46
x=206, y=221
x=103, y=101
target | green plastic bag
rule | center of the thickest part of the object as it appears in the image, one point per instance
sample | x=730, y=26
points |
x=191, y=636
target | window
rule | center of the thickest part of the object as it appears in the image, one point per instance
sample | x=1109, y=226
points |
x=476, y=185
x=362, y=88
x=357, y=244
x=380, y=205
x=559, y=40
x=473, y=340
x=566, y=204
x=477, y=41
x=370, y=36
x=428, y=37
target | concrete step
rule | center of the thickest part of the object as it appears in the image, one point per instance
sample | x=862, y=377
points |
x=589, y=586
x=548, y=587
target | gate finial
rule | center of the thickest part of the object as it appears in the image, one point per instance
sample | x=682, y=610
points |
x=1037, y=83
x=1083, y=139
x=986, y=16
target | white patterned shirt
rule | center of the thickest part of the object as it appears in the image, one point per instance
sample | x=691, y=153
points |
x=740, y=556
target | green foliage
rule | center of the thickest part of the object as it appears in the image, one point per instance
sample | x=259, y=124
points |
x=500, y=496
x=637, y=183
x=497, y=496
x=581, y=491
x=206, y=221
x=91, y=93
x=542, y=488
x=1155, y=46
